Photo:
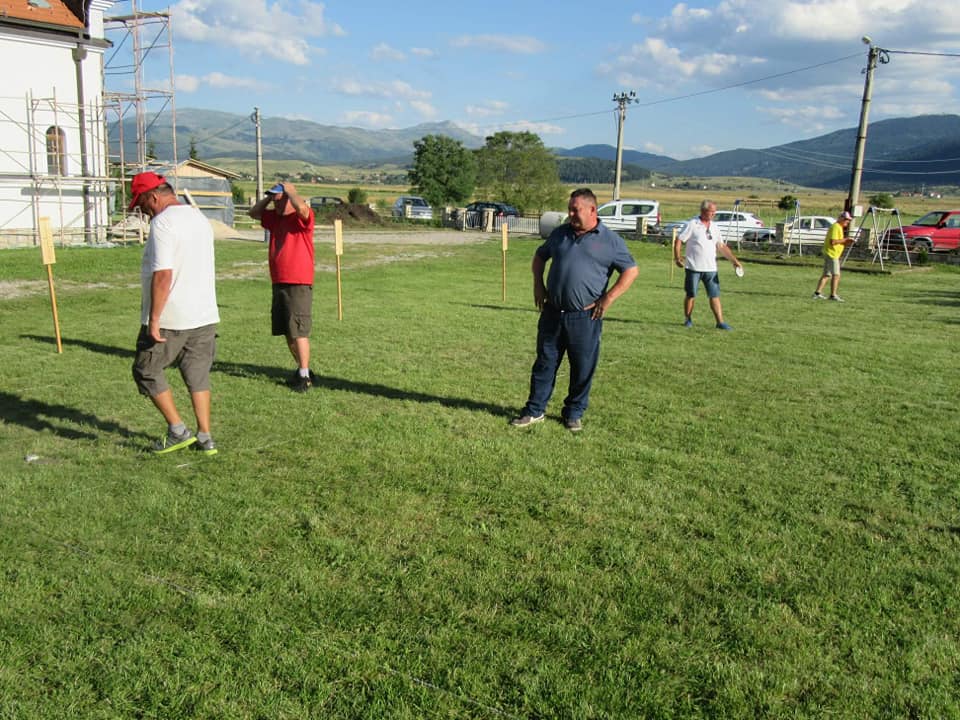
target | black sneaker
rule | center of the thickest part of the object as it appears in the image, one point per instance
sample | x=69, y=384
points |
x=172, y=442
x=527, y=420
x=574, y=425
x=301, y=384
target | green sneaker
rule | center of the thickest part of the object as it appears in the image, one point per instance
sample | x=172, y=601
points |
x=207, y=447
x=170, y=442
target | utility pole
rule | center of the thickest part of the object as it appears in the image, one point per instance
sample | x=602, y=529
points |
x=874, y=55
x=622, y=100
x=256, y=123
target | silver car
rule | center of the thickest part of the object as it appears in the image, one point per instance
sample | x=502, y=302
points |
x=419, y=208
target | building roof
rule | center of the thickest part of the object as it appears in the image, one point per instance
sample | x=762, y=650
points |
x=183, y=169
x=60, y=13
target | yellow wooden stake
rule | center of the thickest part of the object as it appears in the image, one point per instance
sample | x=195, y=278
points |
x=49, y=257
x=338, y=249
x=504, y=243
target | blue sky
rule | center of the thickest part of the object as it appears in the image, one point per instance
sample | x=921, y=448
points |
x=709, y=76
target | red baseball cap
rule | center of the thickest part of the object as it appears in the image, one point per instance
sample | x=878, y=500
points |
x=144, y=182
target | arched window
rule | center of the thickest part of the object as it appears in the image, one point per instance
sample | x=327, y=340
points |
x=56, y=151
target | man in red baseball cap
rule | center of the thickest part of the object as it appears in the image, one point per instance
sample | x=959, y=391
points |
x=142, y=183
x=178, y=310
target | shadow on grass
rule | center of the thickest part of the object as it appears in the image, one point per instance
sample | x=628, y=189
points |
x=943, y=298
x=281, y=375
x=246, y=370
x=86, y=344
x=39, y=416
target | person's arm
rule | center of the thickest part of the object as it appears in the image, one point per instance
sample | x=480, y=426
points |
x=256, y=210
x=677, y=259
x=728, y=254
x=299, y=204
x=623, y=283
x=159, y=293
x=538, y=265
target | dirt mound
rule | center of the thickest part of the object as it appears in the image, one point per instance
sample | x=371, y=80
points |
x=351, y=214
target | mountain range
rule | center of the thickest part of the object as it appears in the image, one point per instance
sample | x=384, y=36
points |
x=899, y=152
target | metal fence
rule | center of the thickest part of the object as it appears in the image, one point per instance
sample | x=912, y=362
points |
x=523, y=225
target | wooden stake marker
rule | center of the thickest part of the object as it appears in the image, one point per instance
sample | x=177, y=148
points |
x=504, y=243
x=49, y=257
x=338, y=249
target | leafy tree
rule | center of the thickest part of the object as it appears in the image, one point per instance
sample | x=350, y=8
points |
x=882, y=200
x=193, y=149
x=238, y=197
x=357, y=196
x=444, y=171
x=787, y=202
x=516, y=168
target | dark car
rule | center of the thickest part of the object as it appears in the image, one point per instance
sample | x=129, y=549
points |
x=937, y=230
x=499, y=209
x=319, y=201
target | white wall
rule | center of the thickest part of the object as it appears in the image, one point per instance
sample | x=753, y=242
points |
x=44, y=69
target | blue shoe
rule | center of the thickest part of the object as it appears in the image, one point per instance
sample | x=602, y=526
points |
x=688, y=323
x=723, y=326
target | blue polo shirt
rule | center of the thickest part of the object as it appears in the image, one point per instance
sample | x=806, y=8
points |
x=581, y=266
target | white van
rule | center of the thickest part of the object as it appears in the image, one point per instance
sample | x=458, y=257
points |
x=624, y=214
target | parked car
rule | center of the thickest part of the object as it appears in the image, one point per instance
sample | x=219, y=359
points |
x=806, y=230
x=319, y=201
x=419, y=208
x=938, y=230
x=499, y=209
x=667, y=228
x=623, y=214
x=734, y=223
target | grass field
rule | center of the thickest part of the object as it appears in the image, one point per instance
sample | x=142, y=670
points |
x=755, y=524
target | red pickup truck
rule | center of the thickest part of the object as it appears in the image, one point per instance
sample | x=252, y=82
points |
x=938, y=230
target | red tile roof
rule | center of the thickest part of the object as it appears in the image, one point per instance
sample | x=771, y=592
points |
x=65, y=13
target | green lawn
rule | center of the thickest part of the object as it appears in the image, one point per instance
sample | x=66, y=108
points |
x=762, y=523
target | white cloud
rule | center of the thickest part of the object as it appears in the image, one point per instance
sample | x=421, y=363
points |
x=424, y=108
x=366, y=118
x=487, y=108
x=423, y=52
x=701, y=150
x=385, y=52
x=652, y=147
x=519, y=44
x=392, y=89
x=192, y=83
x=257, y=28
x=540, y=128
x=186, y=83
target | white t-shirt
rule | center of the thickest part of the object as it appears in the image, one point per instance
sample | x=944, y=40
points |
x=181, y=240
x=701, y=242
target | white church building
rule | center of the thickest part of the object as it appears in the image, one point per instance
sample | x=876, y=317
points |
x=53, y=149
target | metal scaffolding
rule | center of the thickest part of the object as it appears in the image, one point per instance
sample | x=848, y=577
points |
x=141, y=39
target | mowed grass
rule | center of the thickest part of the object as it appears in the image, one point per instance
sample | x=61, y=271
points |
x=762, y=523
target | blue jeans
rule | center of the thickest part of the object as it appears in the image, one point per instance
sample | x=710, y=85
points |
x=576, y=334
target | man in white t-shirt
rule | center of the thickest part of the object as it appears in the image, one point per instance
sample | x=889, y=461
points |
x=702, y=241
x=178, y=310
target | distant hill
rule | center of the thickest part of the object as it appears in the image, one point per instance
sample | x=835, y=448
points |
x=901, y=152
x=609, y=152
x=226, y=135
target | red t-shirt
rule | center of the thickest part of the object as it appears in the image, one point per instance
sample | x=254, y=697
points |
x=291, y=247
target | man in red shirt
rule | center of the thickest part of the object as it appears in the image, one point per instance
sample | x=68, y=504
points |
x=290, y=223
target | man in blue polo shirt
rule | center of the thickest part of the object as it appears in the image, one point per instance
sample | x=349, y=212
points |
x=583, y=254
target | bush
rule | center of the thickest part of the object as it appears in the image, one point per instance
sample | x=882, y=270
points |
x=357, y=196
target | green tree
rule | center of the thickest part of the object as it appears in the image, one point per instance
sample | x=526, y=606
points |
x=516, y=168
x=882, y=200
x=787, y=202
x=444, y=171
x=237, y=192
x=357, y=196
x=193, y=149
